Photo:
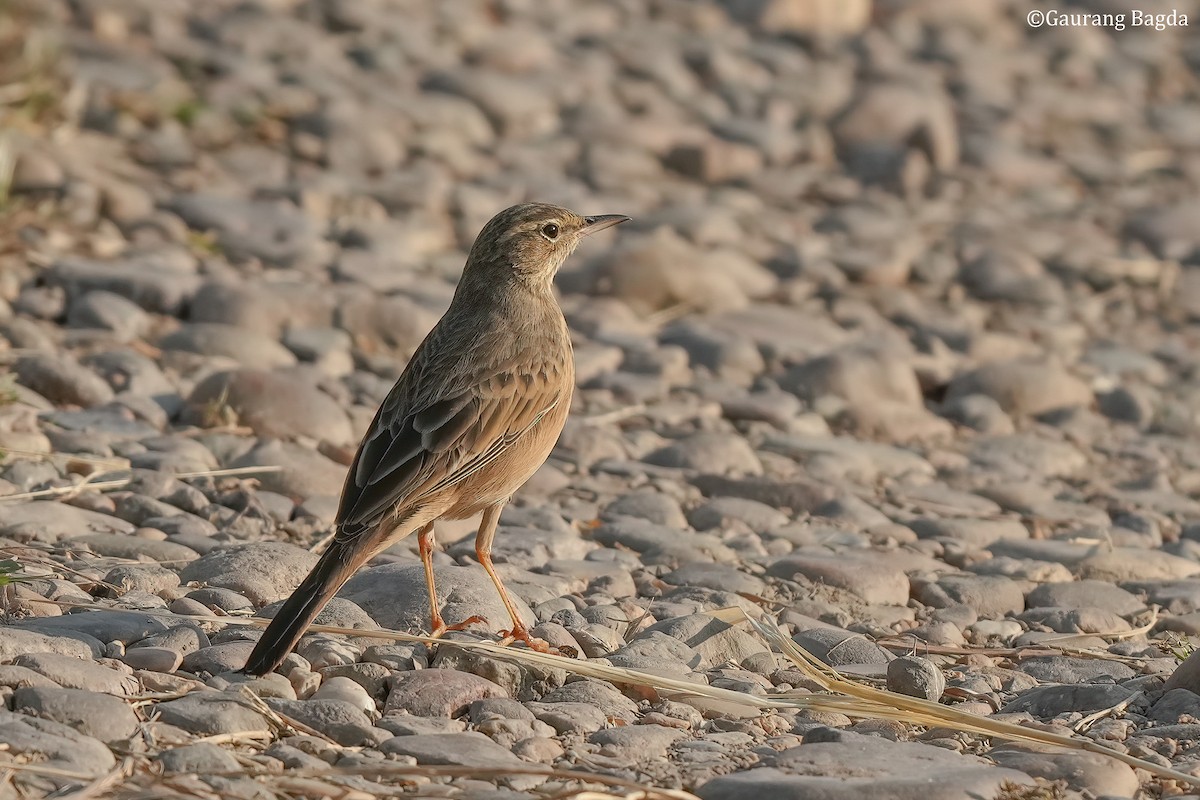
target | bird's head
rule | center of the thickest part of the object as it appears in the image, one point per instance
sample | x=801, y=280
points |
x=531, y=241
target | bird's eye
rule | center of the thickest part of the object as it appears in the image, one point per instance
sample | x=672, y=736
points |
x=550, y=230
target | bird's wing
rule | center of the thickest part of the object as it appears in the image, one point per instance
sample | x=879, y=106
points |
x=420, y=445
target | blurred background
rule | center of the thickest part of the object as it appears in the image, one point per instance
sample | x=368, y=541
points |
x=899, y=219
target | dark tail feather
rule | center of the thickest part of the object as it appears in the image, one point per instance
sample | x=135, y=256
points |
x=298, y=611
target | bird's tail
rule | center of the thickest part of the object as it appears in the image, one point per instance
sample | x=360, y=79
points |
x=335, y=566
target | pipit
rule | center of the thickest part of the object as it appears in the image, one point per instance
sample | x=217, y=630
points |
x=475, y=413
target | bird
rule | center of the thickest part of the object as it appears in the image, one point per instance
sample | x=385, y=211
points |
x=476, y=411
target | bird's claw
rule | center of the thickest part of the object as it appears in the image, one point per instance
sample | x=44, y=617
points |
x=439, y=628
x=521, y=634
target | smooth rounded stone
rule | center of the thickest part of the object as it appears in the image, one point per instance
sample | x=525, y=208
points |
x=341, y=721
x=569, y=718
x=345, y=690
x=725, y=354
x=1024, y=569
x=75, y=673
x=978, y=412
x=468, y=749
x=218, y=658
x=636, y=743
x=115, y=545
x=991, y=596
x=721, y=577
x=916, y=677
x=838, y=458
x=1049, y=701
x=1023, y=387
x=142, y=577
x=718, y=512
x=657, y=653
x=658, y=544
x=1067, y=670
x=282, y=404
x=795, y=494
x=976, y=532
x=262, y=571
x=438, y=692
x=199, y=759
x=1024, y=456
x=304, y=473
x=841, y=765
x=1173, y=705
x=16, y=677
x=1120, y=564
x=17, y=641
x=602, y=696
x=720, y=453
x=225, y=599
x=211, y=713
x=662, y=270
x=247, y=347
x=62, y=380
x=106, y=625
x=839, y=648
x=1186, y=675
x=43, y=521
x=53, y=744
x=153, y=659
x=338, y=612
x=91, y=713
x=1077, y=620
x=108, y=311
x=871, y=576
x=395, y=596
x=275, y=231
x=649, y=505
x=717, y=642
x=1082, y=772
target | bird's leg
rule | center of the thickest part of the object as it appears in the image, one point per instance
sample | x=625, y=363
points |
x=437, y=625
x=483, y=551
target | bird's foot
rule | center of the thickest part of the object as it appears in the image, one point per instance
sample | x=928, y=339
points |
x=438, y=628
x=520, y=633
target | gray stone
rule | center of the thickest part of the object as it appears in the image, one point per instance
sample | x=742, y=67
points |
x=75, y=673
x=91, y=713
x=991, y=596
x=1047, y=701
x=847, y=766
x=262, y=571
x=717, y=642
x=636, y=742
x=438, y=692
x=341, y=721
x=1023, y=387
x=916, y=677
x=247, y=347
x=281, y=405
x=839, y=648
x=711, y=452
x=602, y=696
x=53, y=744
x=201, y=758
x=872, y=576
x=210, y=713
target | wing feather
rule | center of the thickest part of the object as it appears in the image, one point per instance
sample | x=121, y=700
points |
x=420, y=446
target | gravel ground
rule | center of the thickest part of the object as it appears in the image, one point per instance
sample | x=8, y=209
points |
x=900, y=347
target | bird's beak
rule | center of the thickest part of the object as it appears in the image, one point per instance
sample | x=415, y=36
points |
x=599, y=223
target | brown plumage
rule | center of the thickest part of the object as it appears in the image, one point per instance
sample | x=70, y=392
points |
x=475, y=413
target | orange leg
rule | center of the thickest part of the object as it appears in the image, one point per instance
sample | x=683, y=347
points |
x=483, y=551
x=437, y=625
